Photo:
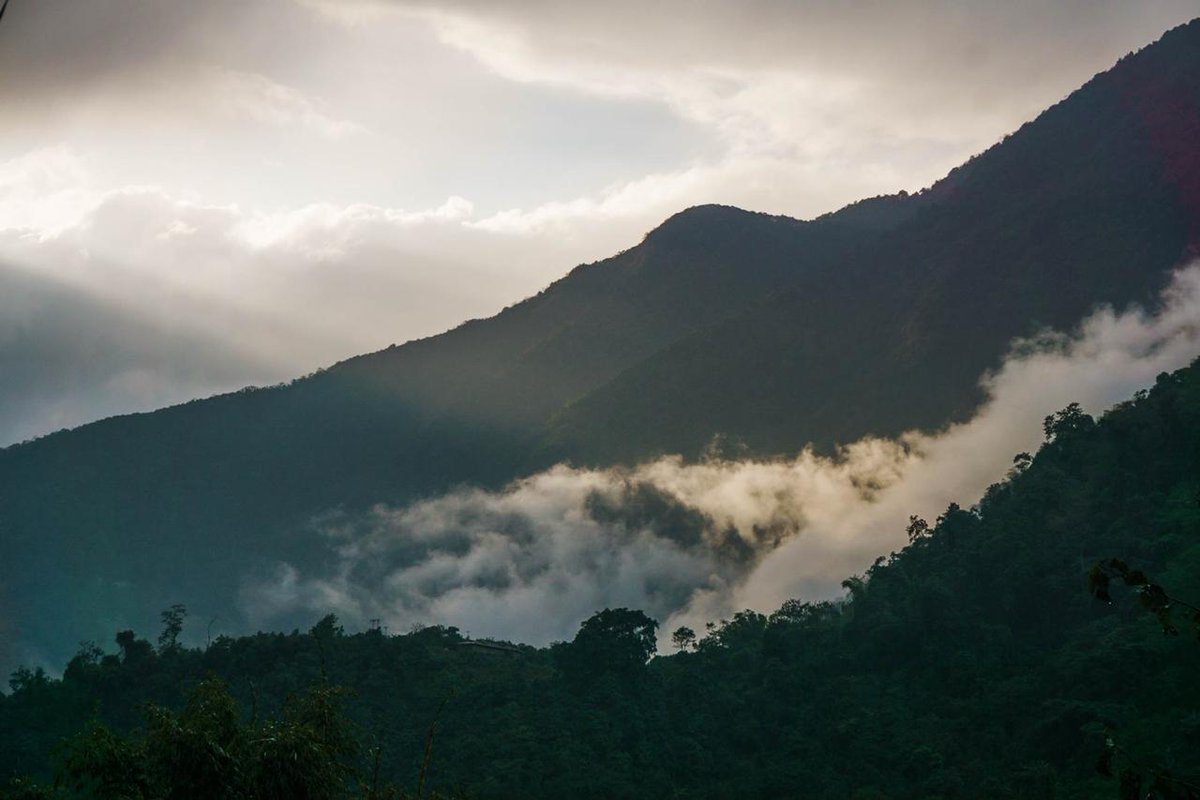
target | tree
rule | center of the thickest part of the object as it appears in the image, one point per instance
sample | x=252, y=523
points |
x=326, y=629
x=172, y=621
x=615, y=640
x=684, y=638
x=1021, y=462
x=917, y=530
x=1069, y=421
x=134, y=651
x=206, y=750
x=28, y=680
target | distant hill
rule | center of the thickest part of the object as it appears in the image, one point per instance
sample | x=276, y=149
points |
x=767, y=331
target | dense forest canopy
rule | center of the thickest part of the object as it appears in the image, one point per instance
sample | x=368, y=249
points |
x=974, y=663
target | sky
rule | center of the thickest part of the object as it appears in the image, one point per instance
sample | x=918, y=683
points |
x=197, y=196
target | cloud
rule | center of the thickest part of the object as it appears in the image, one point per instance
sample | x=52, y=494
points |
x=546, y=552
x=122, y=300
x=44, y=191
x=691, y=542
x=123, y=51
x=314, y=226
x=812, y=105
x=68, y=356
x=1109, y=358
x=257, y=97
x=625, y=210
x=809, y=75
x=843, y=103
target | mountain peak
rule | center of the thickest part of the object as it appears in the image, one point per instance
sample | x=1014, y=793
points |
x=703, y=223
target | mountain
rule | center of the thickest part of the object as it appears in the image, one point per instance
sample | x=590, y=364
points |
x=972, y=665
x=767, y=331
x=1089, y=204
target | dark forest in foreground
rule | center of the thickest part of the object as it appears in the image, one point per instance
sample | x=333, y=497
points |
x=973, y=664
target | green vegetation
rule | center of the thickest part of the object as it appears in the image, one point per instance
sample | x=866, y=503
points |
x=973, y=664
x=208, y=750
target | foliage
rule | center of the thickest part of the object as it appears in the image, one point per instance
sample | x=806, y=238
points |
x=1152, y=596
x=208, y=750
x=684, y=638
x=613, y=641
x=1116, y=761
x=172, y=622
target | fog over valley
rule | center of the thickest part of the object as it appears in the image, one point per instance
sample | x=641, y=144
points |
x=695, y=542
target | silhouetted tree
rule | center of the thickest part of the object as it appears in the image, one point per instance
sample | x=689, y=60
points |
x=172, y=622
x=615, y=640
x=684, y=638
x=1070, y=420
x=917, y=529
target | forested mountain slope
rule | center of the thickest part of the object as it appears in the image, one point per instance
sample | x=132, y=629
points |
x=769, y=331
x=974, y=664
x=1091, y=203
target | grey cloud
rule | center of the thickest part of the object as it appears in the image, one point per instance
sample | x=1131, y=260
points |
x=138, y=300
x=979, y=65
x=874, y=37
x=68, y=357
x=529, y=562
x=694, y=542
x=52, y=51
x=812, y=76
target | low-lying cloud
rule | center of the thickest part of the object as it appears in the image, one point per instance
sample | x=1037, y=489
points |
x=691, y=542
x=531, y=561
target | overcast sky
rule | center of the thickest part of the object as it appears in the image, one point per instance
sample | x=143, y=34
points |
x=200, y=195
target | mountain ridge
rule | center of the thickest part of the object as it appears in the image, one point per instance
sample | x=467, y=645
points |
x=1020, y=245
